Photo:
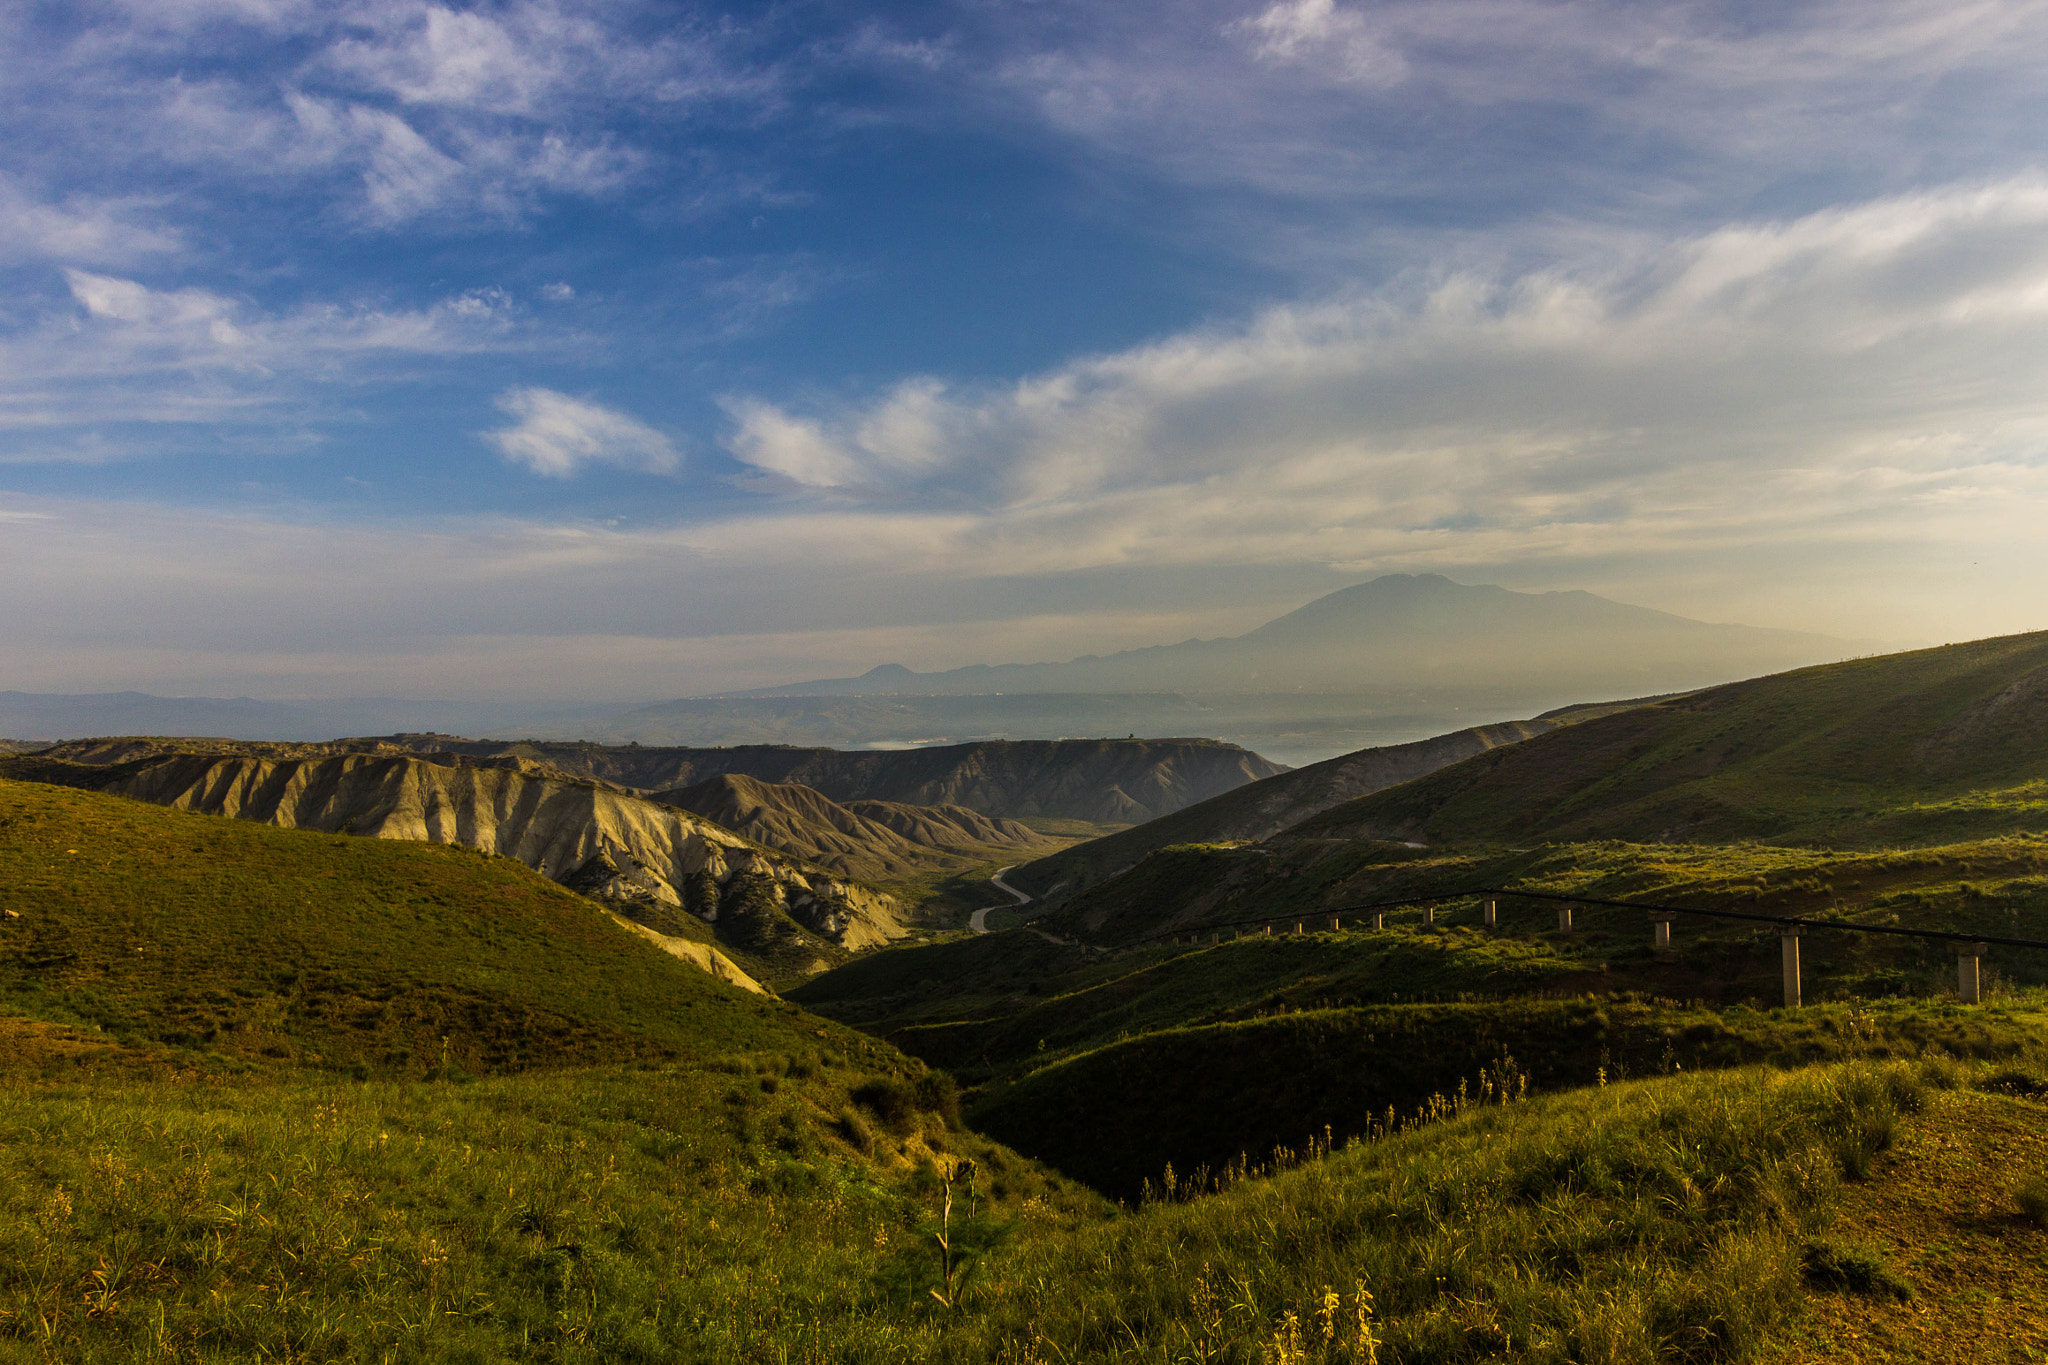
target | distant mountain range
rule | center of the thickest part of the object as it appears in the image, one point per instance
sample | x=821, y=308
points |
x=1400, y=631
x=1382, y=663
x=76, y=715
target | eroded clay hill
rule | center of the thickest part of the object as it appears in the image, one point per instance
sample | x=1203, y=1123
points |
x=1108, y=781
x=610, y=844
x=876, y=840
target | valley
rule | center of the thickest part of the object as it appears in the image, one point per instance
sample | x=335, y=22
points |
x=681, y=1056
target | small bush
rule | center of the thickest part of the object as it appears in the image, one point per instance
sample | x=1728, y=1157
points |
x=937, y=1093
x=1940, y=1073
x=1854, y=1267
x=2025, y=1082
x=856, y=1132
x=891, y=1101
x=2030, y=1196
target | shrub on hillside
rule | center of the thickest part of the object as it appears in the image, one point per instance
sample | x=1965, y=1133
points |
x=893, y=1102
x=1851, y=1266
x=2031, y=1197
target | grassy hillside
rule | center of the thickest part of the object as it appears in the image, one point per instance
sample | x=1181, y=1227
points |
x=1993, y=887
x=1934, y=746
x=734, y=1180
x=1115, y=1116
x=1264, y=808
x=1099, y=1058
x=154, y=927
x=720, y=1216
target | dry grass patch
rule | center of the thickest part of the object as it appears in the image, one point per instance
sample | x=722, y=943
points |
x=1943, y=1209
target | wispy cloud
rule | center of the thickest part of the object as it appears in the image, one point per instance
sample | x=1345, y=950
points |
x=1863, y=373
x=82, y=230
x=128, y=352
x=557, y=435
x=433, y=111
x=1469, y=114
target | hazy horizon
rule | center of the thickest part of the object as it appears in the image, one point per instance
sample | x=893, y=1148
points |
x=546, y=349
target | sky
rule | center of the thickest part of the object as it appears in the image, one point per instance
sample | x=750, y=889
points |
x=623, y=350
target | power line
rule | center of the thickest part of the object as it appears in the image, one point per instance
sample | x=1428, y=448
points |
x=1796, y=921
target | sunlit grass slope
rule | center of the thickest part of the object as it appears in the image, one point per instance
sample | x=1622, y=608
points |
x=1207, y=1095
x=711, y=1216
x=745, y=1210
x=154, y=928
x=1933, y=746
x=1995, y=887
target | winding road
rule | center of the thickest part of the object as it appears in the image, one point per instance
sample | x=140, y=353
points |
x=979, y=922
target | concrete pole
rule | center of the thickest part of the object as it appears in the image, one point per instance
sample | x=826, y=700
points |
x=1789, y=948
x=1267, y=930
x=1492, y=912
x=1379, y=921
x=1298, y=928
x=1564, y=919
x=1660, y=935
x=1429, y=914
x=1335, y=925
x=1969, y=985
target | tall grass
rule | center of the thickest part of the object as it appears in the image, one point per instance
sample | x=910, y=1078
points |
x=696, y=1216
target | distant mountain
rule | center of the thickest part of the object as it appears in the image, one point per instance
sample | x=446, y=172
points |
x=1259, y=810
x=1400, y=631
x=1923, y=747
x=59, y=715
x=871, y=840
x=1290, y=727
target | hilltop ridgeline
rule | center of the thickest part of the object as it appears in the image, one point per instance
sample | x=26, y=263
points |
x=649, y=859
x=1930, y=746
x=1107, y=781
x=1259, y=810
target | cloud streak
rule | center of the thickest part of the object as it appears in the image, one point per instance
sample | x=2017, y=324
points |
x=1843, y=374
x=126, y=352
x=556, y=435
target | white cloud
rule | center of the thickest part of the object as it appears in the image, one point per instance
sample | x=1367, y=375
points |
x=402, y=110
x=558, y=435
x=1317, y=32
x=128, y=352
x=1859, y=376
x=82, y=229
x=1525, y=111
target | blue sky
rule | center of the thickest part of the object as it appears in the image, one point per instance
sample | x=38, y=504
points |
x=617, y=350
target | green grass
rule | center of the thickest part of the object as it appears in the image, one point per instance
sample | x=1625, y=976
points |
x=1206, y=1096
x=1934, y=746
x=719, y=1216
x=1996, y=887
x=714, y=1212
x=237, y=944
x=963, y=977
x=1168, y=987
x=220, y=1139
